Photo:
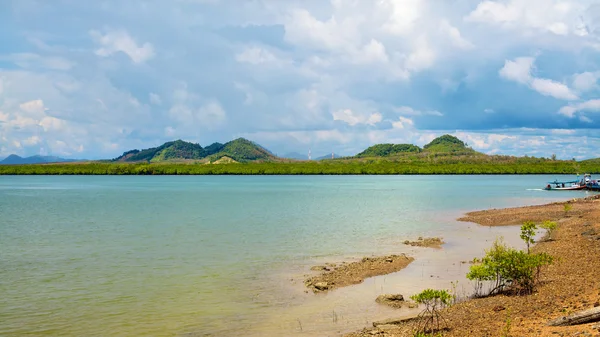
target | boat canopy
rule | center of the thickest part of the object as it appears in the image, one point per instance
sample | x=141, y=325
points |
x=563, y=182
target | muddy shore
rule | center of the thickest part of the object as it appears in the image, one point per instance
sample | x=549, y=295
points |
x=570, y=284
x=346, y=274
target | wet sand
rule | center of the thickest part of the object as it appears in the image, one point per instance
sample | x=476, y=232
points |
x=569, y=285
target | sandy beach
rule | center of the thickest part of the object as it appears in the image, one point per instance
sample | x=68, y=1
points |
x=569, y=285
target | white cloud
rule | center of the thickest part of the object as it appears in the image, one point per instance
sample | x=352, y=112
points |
x=422, y=56
x=592, y=105
x=35, y=107
x=372, y=52
x=550, y=16
x=408, y=111
x=352, y=118
x=49, y=123
x=586, y=81
x=212, y=114
x=193, y=113
x=519, y=70
x=155, y=99
x=256, y=55
x=114, y=41
x=403, y=123
x=402, y=15
x=302, y=28
x=551, y=88
x=454, y=34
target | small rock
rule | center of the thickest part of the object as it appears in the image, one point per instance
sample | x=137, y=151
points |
x=321, y=286
x=390, y=297
x=389, y=260
x=589, y=232
x=498, y=308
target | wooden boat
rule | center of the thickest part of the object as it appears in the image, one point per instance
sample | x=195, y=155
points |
x=584, y=184
x=566, y=185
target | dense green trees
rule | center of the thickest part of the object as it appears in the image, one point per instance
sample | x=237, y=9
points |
x=385, y=150
x=425, y=165
x=240, y=150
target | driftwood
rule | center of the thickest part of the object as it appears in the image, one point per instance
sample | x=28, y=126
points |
x=580, y=317
x=394, y=321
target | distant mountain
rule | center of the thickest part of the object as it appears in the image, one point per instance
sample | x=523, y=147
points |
x=328, y=156
x=295, y=155
x=239, y=150
x=13, y=159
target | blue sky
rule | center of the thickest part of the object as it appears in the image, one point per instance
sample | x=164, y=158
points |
x=91, y=79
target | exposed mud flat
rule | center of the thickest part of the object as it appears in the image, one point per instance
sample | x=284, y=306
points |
x=346, y=274
x=567, y=286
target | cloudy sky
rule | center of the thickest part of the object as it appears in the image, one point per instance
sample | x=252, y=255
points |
x=91, y=79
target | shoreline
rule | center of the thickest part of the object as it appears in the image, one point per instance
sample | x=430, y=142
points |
x=569, y=285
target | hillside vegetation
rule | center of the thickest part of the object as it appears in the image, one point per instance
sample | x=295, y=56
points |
x=386, y=150
x=445, y=144
x=239, y=150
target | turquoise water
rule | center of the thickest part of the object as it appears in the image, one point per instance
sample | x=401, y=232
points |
x=197, y=255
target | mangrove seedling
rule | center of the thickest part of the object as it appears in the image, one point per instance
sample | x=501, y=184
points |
x=527, y=233
x=430, y=319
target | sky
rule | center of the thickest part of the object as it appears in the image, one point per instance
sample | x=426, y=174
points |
x=92, y=79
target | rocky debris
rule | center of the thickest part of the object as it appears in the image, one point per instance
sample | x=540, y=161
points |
x=393, y=300
x=321, y=286
x=426, y=242
x=320, y=268
x=355, y=272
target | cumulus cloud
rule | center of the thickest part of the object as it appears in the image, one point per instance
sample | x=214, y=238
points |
x=353, y=118
x=586, y=81
x=592, y=105
x=334, y=74
x=113, y=41
x=455, y=37
x=550, y=16
x=519, y=70
x=403, y=123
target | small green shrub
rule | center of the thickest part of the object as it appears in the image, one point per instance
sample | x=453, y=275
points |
x=430, y=319
x=567, y=207
x=528, y=232
x=549, y=226
x=508, y=270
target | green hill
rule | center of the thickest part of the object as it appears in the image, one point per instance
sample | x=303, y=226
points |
x=445, y=145
x=448, y=144
x=240, y=150
x=243, y=150
x=386, y=150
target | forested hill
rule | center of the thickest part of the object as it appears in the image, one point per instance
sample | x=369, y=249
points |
x=445, y=144
x=239, y=150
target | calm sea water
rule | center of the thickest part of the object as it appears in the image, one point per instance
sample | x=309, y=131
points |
x=221, y=255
